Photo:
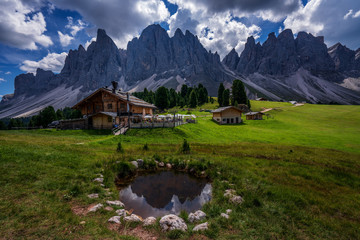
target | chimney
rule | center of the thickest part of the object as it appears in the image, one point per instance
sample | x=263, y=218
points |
x=115, y=85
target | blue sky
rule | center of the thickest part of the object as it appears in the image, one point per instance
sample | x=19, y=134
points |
x=39, y=33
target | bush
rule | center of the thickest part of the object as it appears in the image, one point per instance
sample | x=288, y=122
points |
x=120, y=149
x=175, y=234
x=185, y=147
x=146, y=147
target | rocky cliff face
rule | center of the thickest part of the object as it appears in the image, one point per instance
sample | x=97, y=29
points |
x=282, y=68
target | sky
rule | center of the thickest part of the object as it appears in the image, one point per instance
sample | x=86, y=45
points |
x=40, y=33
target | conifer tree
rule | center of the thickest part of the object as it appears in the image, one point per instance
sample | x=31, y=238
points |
x=220, y=94
x=226, y=98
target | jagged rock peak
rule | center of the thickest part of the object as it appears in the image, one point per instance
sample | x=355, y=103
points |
x=286, y=34
x=178, y=32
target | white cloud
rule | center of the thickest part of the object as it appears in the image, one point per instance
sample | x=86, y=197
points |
x=329, y=18
x=216, y=31
x=75, y=27
x=53, y=62
x=22, y=25
x=65, y=39
x=87, y=44
x=8, y=72
x=122, y=20
x=2, y=80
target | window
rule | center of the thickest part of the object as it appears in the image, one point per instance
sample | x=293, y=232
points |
x=109, y=105
x=109, y=119
x=224, y=120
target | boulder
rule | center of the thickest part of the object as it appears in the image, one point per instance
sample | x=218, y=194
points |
x=133, y=218
x=172, y=222
x=108, y=208
x=93, y=195
x=197, y=216
x=201, y=227
x=140, y=162
x=121, y=212
x=135, y=163
x=115, y=219
x=168, y=165
x=96, y=207
x=100, y=180
x=115, y=203
x=149, y=221
x=161, y=164
x=228, y=211
x=224, y=215
x=236, y=199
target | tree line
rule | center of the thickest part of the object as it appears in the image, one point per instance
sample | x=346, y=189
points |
x=165, y=98
x=43, y=119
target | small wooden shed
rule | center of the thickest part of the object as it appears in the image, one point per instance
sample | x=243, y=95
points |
x=254, y=116
x=227, y=115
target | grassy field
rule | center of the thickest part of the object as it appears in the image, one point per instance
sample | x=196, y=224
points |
x=298, y=172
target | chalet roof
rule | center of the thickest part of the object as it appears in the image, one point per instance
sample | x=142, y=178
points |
x=225, y=108
x=110, y=114
x=122, y=96
x=253, y=113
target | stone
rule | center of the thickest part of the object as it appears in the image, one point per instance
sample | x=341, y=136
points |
x=168, y=165
x=121, y=212
x=100, y=180
x=135, y=163
x=203, y=173
x=102, y=185
x=115, y=203
x=82, y=222
x=133, y=218
x=236, y=199
x=201, y=227
x=149, y=221
x=115, y=219
x=93, y=195
x=140, y=162
x=96, y=207
x=229, y=193
x=228, y=211
x=100, y=175
x=108, y=208
x=224, y=215
x=172, y=222
x=161, y=164
x=197, y=216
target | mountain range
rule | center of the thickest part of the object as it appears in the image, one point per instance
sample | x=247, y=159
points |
x=282, y=68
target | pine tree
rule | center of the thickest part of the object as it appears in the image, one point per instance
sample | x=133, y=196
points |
x=59, y=114
x=193, y=99
x=220, y=94
x=161, y=98
x=2, y=125
x=238, y=92
x=184, y=90
x=173, y=97
x=226, y=98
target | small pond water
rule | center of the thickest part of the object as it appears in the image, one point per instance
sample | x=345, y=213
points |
x=165, y=192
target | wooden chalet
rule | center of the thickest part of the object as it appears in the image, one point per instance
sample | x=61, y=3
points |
x=227, y=115
x=106, y=107
x=254, y=116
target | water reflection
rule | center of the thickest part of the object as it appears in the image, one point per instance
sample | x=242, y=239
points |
x=164, y=193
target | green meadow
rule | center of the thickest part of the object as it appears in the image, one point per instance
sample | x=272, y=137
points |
x=298, y=172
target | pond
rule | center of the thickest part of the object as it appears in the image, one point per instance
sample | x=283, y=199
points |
x=165, y=192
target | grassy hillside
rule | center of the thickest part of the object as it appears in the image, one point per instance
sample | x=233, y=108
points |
x=298, y=172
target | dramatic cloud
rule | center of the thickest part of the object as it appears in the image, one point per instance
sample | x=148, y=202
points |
x=22, y=25
x=216, y=31
x=53, y=62
x=338, y=22
x=65, y=39
x=122, y=19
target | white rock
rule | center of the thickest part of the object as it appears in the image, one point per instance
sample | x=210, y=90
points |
x=197, y=216
x=121, y=212
x=172, y=222
x=161, y=164
x=229, y=193
x=132, y=218
x=149, y=221
x=228, y=211
x=236, y=199
x=224, y=215
x=168, y=165
x=115, y=203
x=115, y=219
x=93, y=195
x=96, y=207
x=102, y=185
x=100, y=175
x=201, y=227
x=135, y=163
x=100, y=180
x=82, y=222
x=140, y=162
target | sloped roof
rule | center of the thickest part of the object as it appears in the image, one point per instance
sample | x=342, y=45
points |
x=225, y=108
x=122, y=96
x=110, y=114
x=253, y=113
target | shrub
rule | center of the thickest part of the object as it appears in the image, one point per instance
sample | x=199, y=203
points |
x=120, y=149
x=175, y=234
x=185, y=147
x=146, y=147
